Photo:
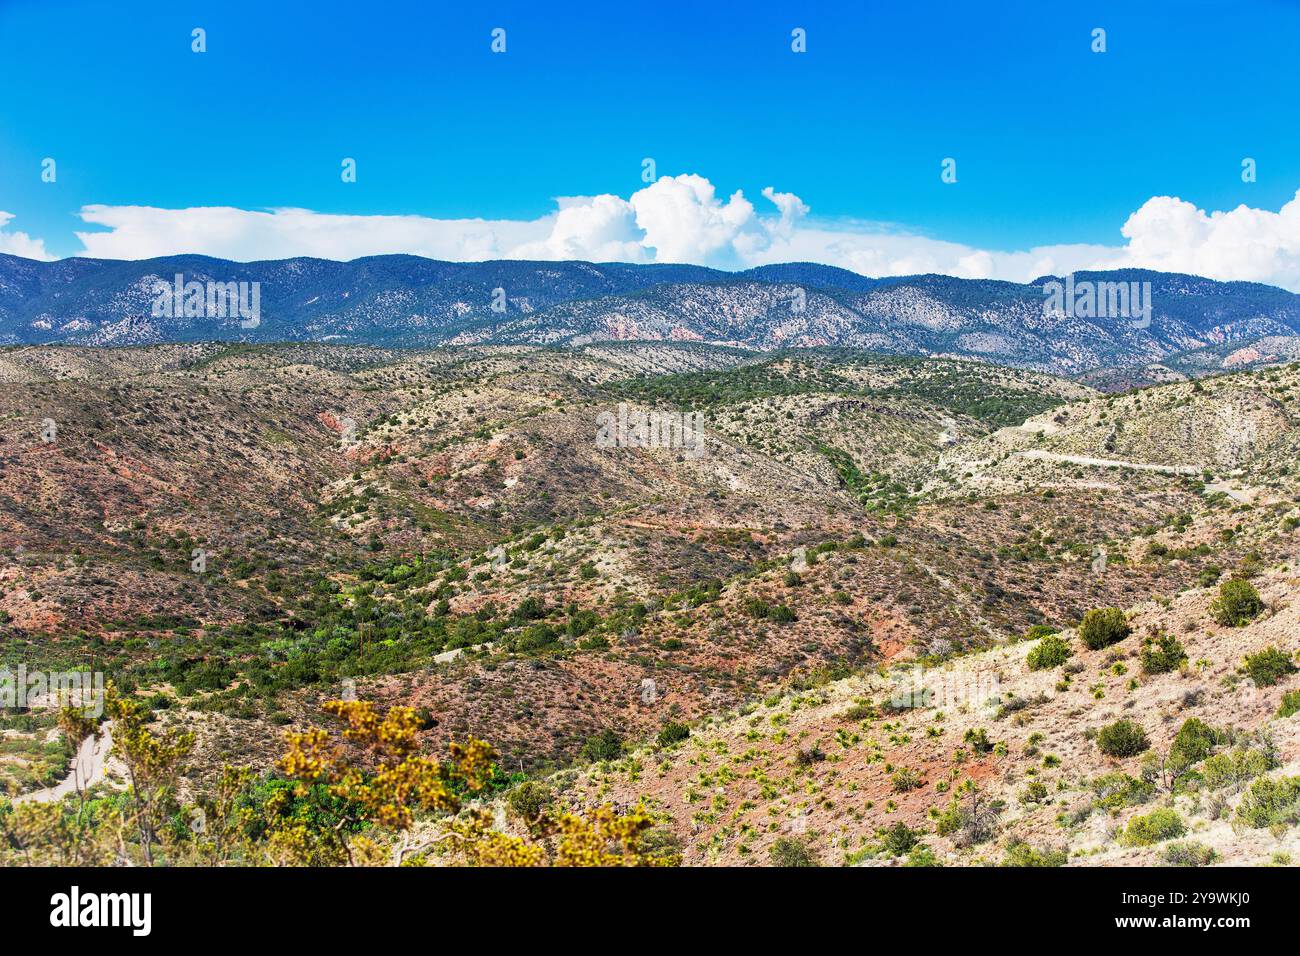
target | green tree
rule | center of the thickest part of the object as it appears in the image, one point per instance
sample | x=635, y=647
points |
x=1238, y=603
x=1102, y=627
x=1123, y=738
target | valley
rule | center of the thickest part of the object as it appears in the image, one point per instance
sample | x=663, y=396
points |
x=236, y=533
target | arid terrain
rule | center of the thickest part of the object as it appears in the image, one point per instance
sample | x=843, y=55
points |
x=799, y=636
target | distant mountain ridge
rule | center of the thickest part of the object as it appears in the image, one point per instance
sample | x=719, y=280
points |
x=400, y=300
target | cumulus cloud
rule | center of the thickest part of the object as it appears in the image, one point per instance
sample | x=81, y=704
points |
x=19, y=243
x=1173, y=235
x=595, y=228
x=684, y=219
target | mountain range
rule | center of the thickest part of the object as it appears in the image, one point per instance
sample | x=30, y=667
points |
x=407, y=301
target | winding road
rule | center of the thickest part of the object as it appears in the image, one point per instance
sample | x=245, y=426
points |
x=88, y=768
x=1243, y=495
x=1038, y=455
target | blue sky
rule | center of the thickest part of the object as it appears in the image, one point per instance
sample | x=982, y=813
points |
x=1054, y=144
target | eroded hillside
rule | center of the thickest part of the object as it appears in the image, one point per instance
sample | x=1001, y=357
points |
x=239, y=533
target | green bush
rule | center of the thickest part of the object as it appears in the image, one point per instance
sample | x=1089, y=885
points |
x=1268, y=666
x=1102, y=627
x=1117, y=790
x=899, y=839
x=1022, y=854
x=1189, y=853
x=922, y=856
x=580, y=622
x=788, y=852
x=1035, y=792
x=1209, y=575
x=1039, y=630
x=1270, y=803
x=1122, y=739
x=781, y=615
x=529, y=800
x=1194, y=741
x=1052, y=651
x=672, y=733
x=1160, y=824
x=1238, y=603
x=1290, y=704
x=1237, y=766
x=905, y=780
x=606, y=745
x=1161, y=654
x=535, y=638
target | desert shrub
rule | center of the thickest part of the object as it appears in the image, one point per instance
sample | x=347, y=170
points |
x=1020, y=853
x=581, y=622
x=1268, y=666
x=1161, y=653
x=1014, y=704
x=1114, y=791
x=1052, y=651
x=1039, y=630
x=781, y=615
x=860, y=712
x=673, y=732
x=1123, y=738
x=1189, y=853
x=605, y=745
x=529, y=800
x=789, y=852
x=1035, y=792
x=806, y=758
x=909, y=700
x=1102, y=627
x=1160, y=824
x=1194, y=741
x=978, y=739
x=1238, y=603
x=1238, y=766
x=905, y=780
x=536, y=638
x=922, y=856
x=1290, y=704
x=1271, y=803
x=899, y=839
x=971, y=817
x=530, y=609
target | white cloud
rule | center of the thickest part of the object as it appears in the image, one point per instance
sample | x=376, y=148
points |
x=1172, y=235
x=685, y=222
x=19, y=243
x=142, y=232
x=682, y=219
x=595, y=228
x=791, y=206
